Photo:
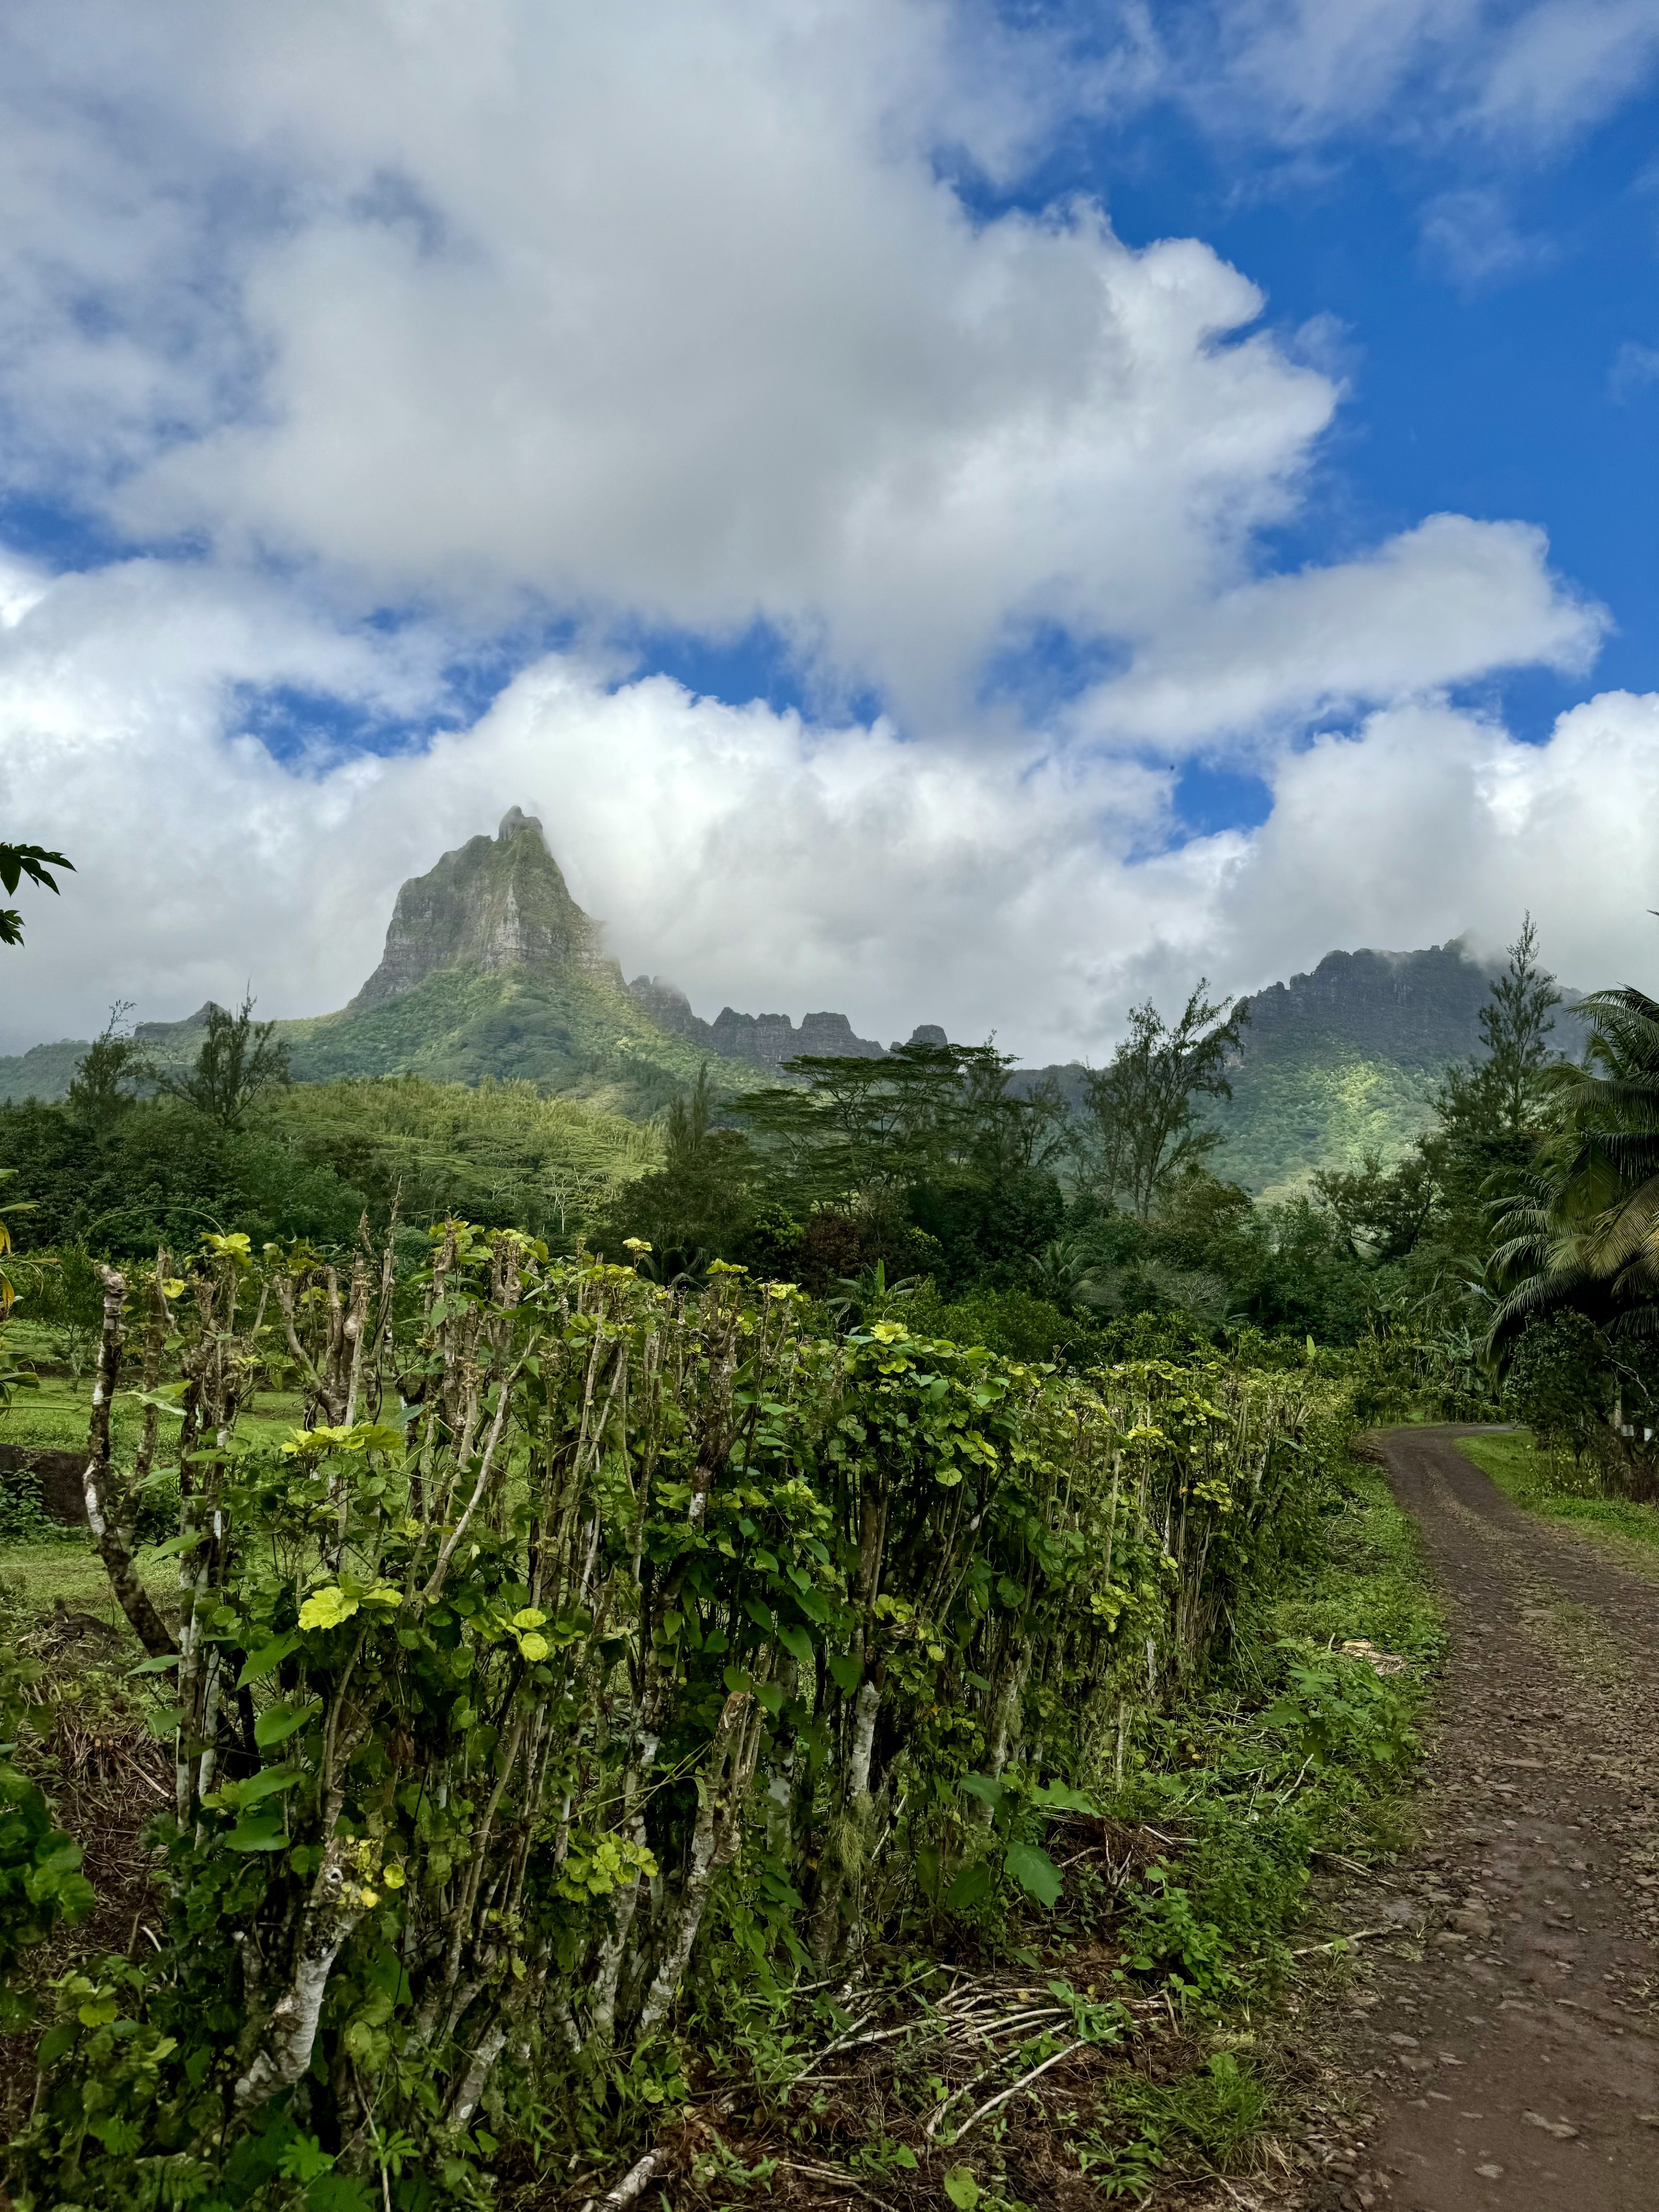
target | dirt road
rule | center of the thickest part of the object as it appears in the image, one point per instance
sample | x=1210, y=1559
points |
x=1511, y=2036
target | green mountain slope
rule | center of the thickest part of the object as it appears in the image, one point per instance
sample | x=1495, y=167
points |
x=490, y=969
x=1343, y=1061
x=1318, y=1100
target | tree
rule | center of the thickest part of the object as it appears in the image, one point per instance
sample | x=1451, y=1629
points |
x=98, y=1092
x=34, y=863
x=1581, y=1233
x=238, y=1059
x=924, y=1114
x=1499, y=1095
x=697, y=1204
x=1382, y=1211
x=1580, y=1236
x=1144, y=1132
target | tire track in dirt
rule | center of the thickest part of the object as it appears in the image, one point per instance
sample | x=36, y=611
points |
x=1508, y=2041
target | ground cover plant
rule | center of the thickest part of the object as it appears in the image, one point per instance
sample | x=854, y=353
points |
x=596, y=1665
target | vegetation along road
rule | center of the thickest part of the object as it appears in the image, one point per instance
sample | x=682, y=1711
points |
x=1513, y=2044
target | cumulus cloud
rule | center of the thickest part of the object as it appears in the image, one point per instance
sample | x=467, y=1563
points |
x=643, y=317
x=751, y=855
x=379, y=331
x=1433, y=606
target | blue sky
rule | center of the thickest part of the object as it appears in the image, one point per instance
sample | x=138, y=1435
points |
x=948, y=514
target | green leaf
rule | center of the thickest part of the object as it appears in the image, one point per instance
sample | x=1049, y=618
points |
x=846, y=1671
x=268, y=1783
x=962, y=2189
x=1034, y=1871
x=148, y=1554
x=971, y=1887
x=1060, y=1797
x=797, y=1642
x=264, y=1833
x=53, y=2044
x=266, y=1660
x=981, y=1786
x=758, y=1613
x=278, y=1723
x=158, y=1665
x=327, y=1608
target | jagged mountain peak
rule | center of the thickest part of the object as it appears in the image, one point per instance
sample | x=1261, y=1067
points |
x=493, y=903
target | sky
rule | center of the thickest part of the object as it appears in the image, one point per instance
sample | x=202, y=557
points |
x=947, y=513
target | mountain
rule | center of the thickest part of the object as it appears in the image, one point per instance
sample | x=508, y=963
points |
x=764, y=1041
x=1343, y=1061
x=491, y=968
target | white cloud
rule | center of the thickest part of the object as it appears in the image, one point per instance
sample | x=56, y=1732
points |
x=1436, y=605
x=1511, y=79
x=648, y=316
x=1634, y=366
x=676, y=316
x=1431, y=822
x=753, y=857
x=1567, y=63
x=1473, y=238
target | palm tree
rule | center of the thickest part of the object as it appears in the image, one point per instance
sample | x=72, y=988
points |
x=1582, y=1231
x=1067, y=1272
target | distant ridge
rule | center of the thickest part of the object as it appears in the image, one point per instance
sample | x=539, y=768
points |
x=1343, y=1060
x=491, y=969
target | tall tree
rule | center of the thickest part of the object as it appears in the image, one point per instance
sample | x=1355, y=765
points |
x=923, y=1113
x=26, y=863
x=1499, y=1093
x=1143, y=1130
x=238, y=1059
x=1382, y=1211
x=100, y=1091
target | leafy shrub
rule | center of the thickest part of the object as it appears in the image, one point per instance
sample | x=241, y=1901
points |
x=588, y=1632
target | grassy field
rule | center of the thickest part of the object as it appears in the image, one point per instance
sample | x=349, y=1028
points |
x=1556, y=1488
x=1370, y=1580
x=35, y=1576
x=55, y=1416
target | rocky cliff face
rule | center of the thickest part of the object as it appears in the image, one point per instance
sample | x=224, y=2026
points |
x=763, y=1041
x=495, y=902
x=1423, y=1006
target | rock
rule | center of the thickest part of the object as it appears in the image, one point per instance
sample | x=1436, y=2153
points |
x=493, y=903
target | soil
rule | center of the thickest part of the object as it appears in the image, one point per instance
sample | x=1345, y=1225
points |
x=1506, y=2038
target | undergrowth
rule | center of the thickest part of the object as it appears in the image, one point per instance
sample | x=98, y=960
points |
x=1180, y=1920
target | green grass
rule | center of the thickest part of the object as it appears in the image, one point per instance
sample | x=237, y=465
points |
x=34, y=1577
x=1372, y=1584
x=54, y=1417
x=1557, y=1489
